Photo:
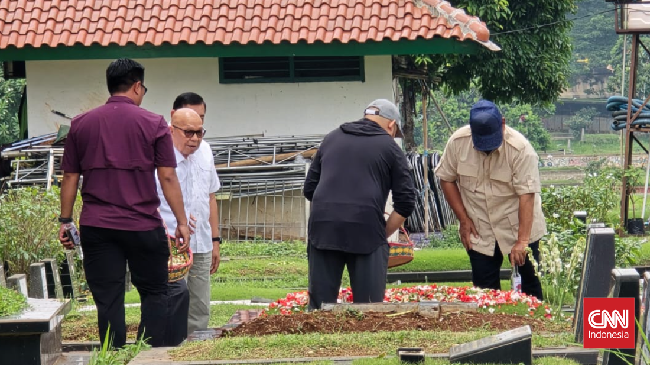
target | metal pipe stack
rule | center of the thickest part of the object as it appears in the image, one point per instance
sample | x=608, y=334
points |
x=440, y=213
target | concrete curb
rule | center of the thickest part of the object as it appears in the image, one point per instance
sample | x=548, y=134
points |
x=160, y=356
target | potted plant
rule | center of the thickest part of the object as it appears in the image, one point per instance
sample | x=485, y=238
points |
x=634, y=177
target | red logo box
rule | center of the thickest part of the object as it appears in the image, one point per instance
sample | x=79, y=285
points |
x=608, y=323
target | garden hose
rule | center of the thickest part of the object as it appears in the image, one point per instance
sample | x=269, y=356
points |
x=619, y=107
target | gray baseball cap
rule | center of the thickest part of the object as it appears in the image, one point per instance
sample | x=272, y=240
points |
x=386, y=109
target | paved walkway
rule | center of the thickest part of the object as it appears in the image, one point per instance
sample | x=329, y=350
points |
x=74, y=358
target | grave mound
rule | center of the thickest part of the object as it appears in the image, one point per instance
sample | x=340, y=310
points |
x=356, y=321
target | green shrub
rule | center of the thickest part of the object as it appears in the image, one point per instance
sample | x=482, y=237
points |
x=11, y=302
x=597, y=196
x=29, y=227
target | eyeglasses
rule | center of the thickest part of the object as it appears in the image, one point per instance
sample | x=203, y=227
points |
x=145, y=89
x=188, y=133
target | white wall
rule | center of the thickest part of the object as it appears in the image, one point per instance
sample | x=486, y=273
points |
x=73, y=87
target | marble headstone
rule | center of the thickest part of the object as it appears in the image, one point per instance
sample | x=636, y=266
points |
x=510, y=347
x=624, y=284
x=18, y=282
x=37, y=281
x=599, y=260
x=3, y=280
x=644, y=320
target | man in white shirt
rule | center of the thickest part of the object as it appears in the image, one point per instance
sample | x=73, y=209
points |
x=199, y=183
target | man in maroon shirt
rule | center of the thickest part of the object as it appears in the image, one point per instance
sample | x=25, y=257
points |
x=117, y=147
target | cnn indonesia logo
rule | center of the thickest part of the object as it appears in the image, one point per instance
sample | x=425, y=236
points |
x=608, y=323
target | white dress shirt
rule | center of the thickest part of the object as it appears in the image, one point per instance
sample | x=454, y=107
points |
x=198, y=179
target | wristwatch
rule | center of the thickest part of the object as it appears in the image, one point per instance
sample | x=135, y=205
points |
x=216, y=239
x=65, y=220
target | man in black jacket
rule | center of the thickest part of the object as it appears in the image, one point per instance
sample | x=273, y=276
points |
x=348, y=183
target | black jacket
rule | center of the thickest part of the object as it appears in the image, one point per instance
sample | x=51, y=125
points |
x=348, y=182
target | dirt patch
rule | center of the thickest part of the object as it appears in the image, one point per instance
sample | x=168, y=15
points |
x=89, y=332
x=328, y=322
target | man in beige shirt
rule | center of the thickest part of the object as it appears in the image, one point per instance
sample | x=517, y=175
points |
x=490, y=178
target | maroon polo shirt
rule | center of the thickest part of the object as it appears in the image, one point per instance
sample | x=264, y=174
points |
x=116, y=148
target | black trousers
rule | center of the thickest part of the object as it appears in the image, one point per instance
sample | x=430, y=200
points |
x=485, y=271
x=106, y=252
x=367, y=275
x=177, y=310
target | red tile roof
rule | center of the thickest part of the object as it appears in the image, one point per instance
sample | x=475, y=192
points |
x=54, y=23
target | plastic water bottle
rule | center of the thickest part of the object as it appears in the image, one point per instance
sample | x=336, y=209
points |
x=72, y=233
x=516, y=279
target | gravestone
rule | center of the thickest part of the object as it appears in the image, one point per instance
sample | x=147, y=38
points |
x=34, y=336
x=68, y=275
x=18, y=282
x=624, y=284
x=37, y=281
x=644, y=320
x=510, y=347
x=581, y=215
x=598, y=262
x=54, y=288
x=3, y=280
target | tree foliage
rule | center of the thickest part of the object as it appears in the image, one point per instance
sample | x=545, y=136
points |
x=525, y=118
x=531, y=68
x=10, y=95
x=534, y=58
x=593, y=38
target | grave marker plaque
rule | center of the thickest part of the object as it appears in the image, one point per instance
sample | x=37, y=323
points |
x=54, y=288
x=68, y=275
x=510, y=347
x=37, y=281
x=624, y=284
x=18, y=282
x=598, y=262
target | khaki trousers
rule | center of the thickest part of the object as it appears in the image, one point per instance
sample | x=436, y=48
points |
x=198, y=283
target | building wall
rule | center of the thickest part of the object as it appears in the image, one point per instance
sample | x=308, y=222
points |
x=73, y=87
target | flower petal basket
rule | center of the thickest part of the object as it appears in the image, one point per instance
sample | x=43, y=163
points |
x=400, y=253
x=179, y=263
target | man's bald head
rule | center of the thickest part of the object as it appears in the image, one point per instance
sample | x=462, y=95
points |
x=186, y=116
x=187, y=130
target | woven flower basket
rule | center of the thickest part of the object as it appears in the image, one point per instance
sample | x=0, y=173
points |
x=179, y=263
x=400, y=253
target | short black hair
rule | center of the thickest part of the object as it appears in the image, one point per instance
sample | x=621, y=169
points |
x=122, y=73
x=188, y=98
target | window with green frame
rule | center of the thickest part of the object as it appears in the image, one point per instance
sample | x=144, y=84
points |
x=290, y=69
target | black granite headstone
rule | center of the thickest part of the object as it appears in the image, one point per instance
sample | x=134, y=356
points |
x=624, y=284
x=34, y=336
x=18, y=282
x=37, y=281
x=54, y=288
x=510, y=347
x=599, y=260
x=68, y=276
x=581, y=215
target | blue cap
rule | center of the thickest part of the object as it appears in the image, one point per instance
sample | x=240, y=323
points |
x=486, y=122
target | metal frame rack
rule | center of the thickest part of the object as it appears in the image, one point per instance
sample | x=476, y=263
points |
x=632, y=17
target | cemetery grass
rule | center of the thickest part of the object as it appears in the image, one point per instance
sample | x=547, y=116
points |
x=82, y=326
x=340, y=344
x=395, y=361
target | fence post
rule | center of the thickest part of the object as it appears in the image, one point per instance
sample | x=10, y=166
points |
x=307, y=206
